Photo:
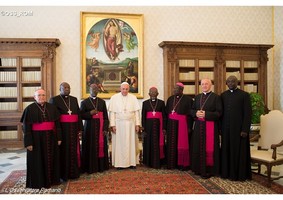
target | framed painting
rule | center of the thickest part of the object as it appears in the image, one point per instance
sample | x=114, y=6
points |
x=111, y=52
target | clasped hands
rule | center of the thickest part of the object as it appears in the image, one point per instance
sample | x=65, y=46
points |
x=200, y=114
x=93, y=112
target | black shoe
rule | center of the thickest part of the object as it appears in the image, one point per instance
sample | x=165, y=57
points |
x=183, y=168
x=132, y=167
x=206, y=176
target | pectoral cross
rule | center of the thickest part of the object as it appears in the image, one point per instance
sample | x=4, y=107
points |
x=70, y=112
x=173, y=111
x=153, y=113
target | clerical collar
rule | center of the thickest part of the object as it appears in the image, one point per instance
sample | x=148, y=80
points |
x=40, y=104
x=92, y=97
x=233, y=90
x=65, y=96
x=153, y=99
x=205, y=93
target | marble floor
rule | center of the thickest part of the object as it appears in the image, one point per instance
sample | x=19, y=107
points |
x=10, y=160
x=15, y=159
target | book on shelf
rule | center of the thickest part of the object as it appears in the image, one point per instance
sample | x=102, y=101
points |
x=8, y=76
x=31, y=62
x=186, y=63
x=209, y=75
x=206, y=63
x=31, y=76
x=8, y=92
x=250, y=88
x=187, y=76
x=250, y=76
x=233, y=64
x=8, y=62
x=9, y=134
x=237, y=74
x=189, y=89
x=8, y=106
x=29, y=91
x=250, y=64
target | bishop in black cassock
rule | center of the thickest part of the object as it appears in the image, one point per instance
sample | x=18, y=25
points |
x=179, y=125
x=94, y=139
x=205, y=144
x=71, y=125
x=154, y=123
x=42, y=135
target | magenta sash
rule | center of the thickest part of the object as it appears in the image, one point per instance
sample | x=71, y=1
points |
x=158, y=115
x=69, y=118
x=44, y=126
x=99, y=116
x=183, y=139
x=209, y=141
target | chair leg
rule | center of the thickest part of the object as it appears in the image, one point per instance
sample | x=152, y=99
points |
x=269, y=167
x=258, y=168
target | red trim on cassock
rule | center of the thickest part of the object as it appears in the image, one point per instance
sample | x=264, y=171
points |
x=209, y=142
x=99, y=116
x=158, y=115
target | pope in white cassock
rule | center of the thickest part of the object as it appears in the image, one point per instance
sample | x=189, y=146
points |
x=124, y=116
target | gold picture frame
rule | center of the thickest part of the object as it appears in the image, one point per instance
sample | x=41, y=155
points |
x=111, y=52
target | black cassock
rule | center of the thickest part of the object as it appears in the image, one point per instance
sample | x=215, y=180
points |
x=151, y=140
x=181, y=107
x=235, y=150
x=70, y=147
x=91, y=162
x=205, y=157
x=43, y=160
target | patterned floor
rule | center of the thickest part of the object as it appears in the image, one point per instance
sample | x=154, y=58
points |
x=142, y=180
x=11, y=160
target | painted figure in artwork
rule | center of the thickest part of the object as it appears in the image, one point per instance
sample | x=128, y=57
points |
x=112, y=39
x=130, y=44
x=95, y=37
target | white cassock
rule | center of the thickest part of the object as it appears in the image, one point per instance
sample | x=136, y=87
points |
x=124, y=114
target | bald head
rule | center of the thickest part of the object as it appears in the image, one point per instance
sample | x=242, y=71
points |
x=40, y=96
x=206, y=85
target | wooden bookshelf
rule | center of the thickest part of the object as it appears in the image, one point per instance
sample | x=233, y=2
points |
x=189, y=62
x=25, y=65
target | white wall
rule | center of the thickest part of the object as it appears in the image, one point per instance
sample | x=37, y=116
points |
x=278, y=58
x=253, y=25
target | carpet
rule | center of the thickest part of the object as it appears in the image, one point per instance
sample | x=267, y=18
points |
x=143, y=181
